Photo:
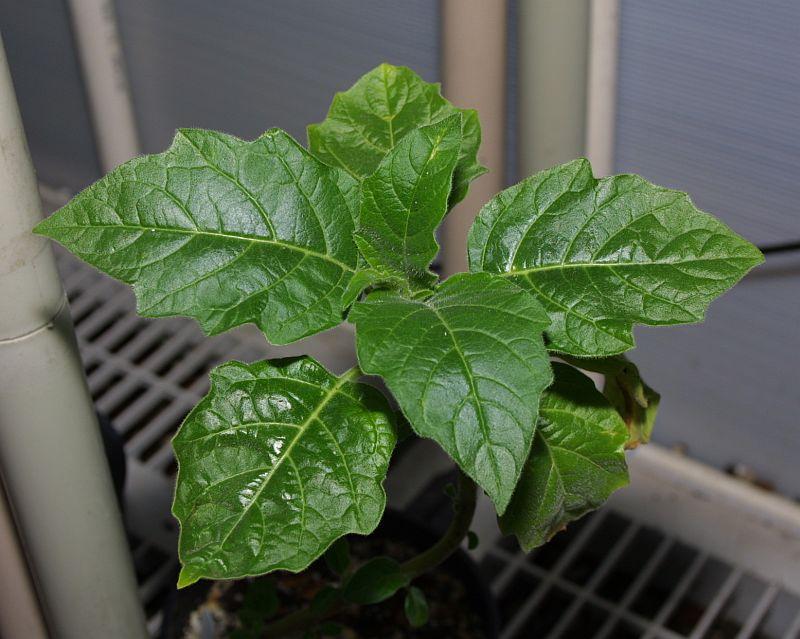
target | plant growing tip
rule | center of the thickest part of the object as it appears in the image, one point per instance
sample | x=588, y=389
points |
x=282, y=458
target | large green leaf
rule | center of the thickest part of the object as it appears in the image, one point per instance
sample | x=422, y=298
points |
x=406, y=198
x=278, y=461
x=576, y=462
x=467, y=367
x=221, y=230
x=601, y=255
x=365, y=122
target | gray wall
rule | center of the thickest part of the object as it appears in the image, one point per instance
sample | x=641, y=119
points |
x=249, y=65
x=709, y=102
x=40, y=51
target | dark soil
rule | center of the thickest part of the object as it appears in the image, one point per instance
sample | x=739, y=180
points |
x=456, y=610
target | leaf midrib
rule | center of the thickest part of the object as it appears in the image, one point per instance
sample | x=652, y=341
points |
x=612, y=265
x=226, y=236
x=302, y=428
x=473, y=390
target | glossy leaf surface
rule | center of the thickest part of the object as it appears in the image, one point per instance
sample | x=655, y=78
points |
x=406, y=198
x=279, y=460
x=368, y=120
x=221, y=230
x=467, y=367
x=576, y=462
x=603, y=255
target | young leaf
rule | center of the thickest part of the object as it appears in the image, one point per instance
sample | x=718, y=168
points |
x=624, y=387
x=416, y=607
x=601, y=255
x=375, y=581
x=278, y=461
x=365, y=122
x=576, y=462
x=337, y=557
x=406, y=198
x=467, y=367
x=221, y=230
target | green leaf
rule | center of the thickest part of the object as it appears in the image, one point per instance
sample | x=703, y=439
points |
x=416, y=607
x=278, y=461
x=221, y=230
x=624, y=387
x=365, y=122
x=634, y=400
x=576, y=462
x=603, y=255
x=467, y=367
x=337, y=557
x=367, y=278
x=375, y=581
x=406, y=198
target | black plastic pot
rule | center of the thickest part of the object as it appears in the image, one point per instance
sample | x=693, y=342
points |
x=396, y=527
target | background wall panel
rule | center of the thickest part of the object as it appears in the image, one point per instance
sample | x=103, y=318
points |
x=249, y=65
x=709, y=102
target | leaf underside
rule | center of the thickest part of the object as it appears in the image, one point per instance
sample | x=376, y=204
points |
x=467, y=367
x=368, y=120
x=279, y=460
x=603, y=255
x=576, y=462
x=222, y=230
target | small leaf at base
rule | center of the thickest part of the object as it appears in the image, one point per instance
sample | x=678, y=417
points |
x=375, y=581
x=416, y=607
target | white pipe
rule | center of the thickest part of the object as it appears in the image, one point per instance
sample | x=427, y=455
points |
x=103, y=65
x=553, y=51
x=602, y=100
x=474, y=76
x=51, y=455
x=20, y=614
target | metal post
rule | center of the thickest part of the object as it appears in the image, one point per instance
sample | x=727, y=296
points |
x=474, y=76
x=553, y=50
x=102, y=62
x=20, y=613
x=51, y=455
x=602, y=99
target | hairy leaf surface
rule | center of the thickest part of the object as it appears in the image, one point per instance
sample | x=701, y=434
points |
x=467, y=366
x=576, y=462
x=602, y=255
x=406, y=198
x=279, y=460
x=222, y=230
x=368, y=120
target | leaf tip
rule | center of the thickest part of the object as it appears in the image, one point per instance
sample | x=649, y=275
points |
x=187, y=577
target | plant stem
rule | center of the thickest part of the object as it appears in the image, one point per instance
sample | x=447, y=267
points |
x=463, y=511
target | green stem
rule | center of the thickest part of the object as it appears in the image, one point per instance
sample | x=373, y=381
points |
x=464, y=510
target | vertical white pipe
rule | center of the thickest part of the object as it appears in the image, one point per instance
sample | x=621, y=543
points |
x=553, y=52
x=20, y=614
x=474, y=76
x=51, y=455
x=103, y=65
x=602, y=101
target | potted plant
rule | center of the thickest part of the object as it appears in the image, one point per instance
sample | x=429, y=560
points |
x=283, y=459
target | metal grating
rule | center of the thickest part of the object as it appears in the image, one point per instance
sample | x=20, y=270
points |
x=607, y=577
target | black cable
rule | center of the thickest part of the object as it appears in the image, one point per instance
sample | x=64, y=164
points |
x=784, y=247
